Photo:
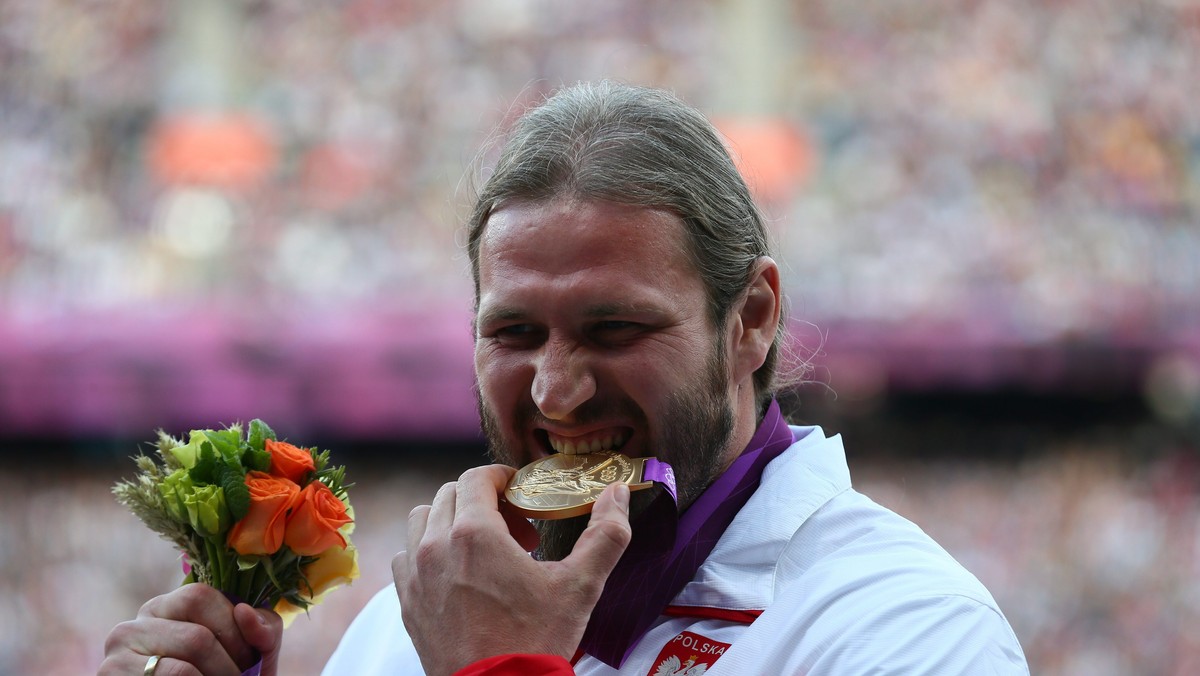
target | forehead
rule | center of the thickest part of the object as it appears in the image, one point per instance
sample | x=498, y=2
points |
x=564, y=234
x=571, y=240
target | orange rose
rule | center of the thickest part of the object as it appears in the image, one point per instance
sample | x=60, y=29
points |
x=288, y=461
x=313, y=526
x=261, y=531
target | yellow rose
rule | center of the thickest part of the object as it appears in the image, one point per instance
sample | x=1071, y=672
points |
x=288, y=611
x=335, y=567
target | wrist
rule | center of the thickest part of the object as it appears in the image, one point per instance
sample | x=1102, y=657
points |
x=518, y=665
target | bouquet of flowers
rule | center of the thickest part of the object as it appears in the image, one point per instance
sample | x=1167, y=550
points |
x=262, y=520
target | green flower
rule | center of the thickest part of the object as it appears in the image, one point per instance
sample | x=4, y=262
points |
x=207, y=511
x=175, y=488
x=189, y=453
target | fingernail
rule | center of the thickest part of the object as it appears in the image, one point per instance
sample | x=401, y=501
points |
x=622, y=496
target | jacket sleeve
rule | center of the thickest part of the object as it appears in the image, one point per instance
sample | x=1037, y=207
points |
x=518, y=665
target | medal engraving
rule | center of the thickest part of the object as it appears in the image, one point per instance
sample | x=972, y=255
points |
x=562, y=486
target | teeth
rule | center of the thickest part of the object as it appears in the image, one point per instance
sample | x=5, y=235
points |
x=594, y=446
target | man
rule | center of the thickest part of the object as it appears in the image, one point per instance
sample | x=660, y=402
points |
x=626, y=300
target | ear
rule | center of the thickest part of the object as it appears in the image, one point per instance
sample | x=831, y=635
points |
x=754, y=320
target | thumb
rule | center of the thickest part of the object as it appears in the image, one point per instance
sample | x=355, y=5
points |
x=263, y=630
x=607, y=534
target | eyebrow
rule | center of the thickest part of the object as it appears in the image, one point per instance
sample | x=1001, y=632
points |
x=499, y=314
x=610, y=309
x=507, y=314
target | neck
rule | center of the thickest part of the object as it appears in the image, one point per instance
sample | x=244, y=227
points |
x=746, y=418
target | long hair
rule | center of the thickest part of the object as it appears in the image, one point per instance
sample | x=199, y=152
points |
x=644, y=147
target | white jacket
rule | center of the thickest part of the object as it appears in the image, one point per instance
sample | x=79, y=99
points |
x=810, y=578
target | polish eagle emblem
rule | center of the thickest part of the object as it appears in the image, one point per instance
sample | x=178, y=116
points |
x=671, y=666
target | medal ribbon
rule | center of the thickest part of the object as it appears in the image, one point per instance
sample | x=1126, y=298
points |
x=667, y=548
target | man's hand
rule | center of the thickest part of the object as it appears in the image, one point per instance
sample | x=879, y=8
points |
x=469, y=588
x=194, y=630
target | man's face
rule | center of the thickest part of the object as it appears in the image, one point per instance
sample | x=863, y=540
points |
x=592, y=333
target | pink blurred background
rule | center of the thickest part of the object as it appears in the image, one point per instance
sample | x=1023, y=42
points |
x=988, y=214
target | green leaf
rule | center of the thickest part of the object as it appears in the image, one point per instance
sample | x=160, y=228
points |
x=335, y=479
x=249, y=561
x=207, y=466
x=293, y=597
x=256, y=459
x=227, y=442
x=269, y=566
x=237, y=494
x=320, y=459
x=259, y=433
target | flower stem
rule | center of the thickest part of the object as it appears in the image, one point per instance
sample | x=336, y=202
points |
x=244, y=578
x=216, y=564
x=259, y=585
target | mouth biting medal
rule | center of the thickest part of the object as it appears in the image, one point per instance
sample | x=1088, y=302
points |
x=564, y=485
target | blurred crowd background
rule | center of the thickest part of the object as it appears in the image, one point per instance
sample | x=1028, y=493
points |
x=988, y=214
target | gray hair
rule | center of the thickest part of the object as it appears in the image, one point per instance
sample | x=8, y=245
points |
x=644, y=147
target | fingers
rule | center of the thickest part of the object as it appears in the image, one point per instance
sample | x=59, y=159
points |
x=521, y=530
x=263, y=630
x=607, y=535
x=480, y=488
x=441, y=512
x=199, y=607
x=426, y=524
x=168, y=666
x=192, y=625
x=466, y=573
x=418, y=520
x=135, y=663
x=461, y=509
x=421, y=520
x=132, y=643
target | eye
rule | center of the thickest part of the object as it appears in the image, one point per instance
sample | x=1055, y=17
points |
x=517, y=334
x=613, y=325
x=611, y=330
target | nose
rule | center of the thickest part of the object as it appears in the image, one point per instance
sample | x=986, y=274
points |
x=563, y=380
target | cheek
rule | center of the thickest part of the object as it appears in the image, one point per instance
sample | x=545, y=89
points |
x=655, y=376
x=500, y=378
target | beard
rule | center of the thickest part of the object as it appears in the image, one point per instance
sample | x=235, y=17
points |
x=692, y=437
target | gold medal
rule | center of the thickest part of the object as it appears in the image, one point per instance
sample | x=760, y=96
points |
x=562, y=485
